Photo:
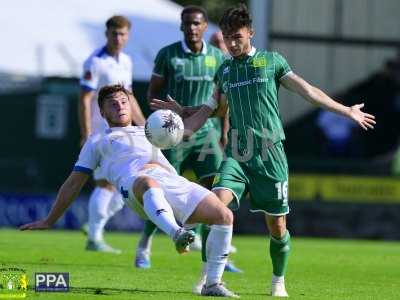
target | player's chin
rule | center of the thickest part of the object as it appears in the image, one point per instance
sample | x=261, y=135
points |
x=123, y=119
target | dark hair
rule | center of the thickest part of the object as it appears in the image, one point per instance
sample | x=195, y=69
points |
x=118, y=22
x=190, y=9
x=108, y=90
x=235, y=18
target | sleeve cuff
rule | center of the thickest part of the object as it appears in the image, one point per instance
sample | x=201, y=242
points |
x=158, y=75
x=83, y=170
x=87, y=88
x=286, y=74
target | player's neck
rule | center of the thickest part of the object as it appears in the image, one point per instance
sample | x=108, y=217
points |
x=246, y=52
x=195, y=47
x=112, y=52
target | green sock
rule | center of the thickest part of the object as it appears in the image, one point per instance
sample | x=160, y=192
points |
x=279, y=250
x=149, y=228
x=204, y=231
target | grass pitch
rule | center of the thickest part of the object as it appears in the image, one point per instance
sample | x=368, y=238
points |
x=318, y=268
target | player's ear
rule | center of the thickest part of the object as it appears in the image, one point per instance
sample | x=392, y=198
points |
x=181, y=27
x=251, y=31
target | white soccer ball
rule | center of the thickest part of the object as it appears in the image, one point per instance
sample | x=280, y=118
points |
x=164, y=129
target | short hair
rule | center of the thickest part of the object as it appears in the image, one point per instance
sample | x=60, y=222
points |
x=118, y=22
x=190, y=9
x=108, y=90
x=235, y=18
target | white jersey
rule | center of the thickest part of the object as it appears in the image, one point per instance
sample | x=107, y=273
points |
x=121, y=152
x=101, y=69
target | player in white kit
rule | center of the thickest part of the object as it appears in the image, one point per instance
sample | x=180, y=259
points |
x=149, y=185
x=106, y=65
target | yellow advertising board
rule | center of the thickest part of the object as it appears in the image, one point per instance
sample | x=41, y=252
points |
x=343, y=188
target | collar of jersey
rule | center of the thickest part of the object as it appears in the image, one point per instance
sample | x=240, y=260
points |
x=186, y=49
x=104, y=51
x=250, y=54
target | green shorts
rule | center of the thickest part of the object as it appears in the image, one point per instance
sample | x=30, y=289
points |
x=264, y=178
x=202, y=153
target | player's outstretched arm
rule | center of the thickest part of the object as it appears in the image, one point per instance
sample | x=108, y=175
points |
x=66, y=195
x=317, y=97
x=84, y=107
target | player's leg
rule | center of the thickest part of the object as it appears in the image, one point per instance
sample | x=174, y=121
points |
x=206, y=159
x=115, y=205
x=279, y=250
x=98, y=215
x=229, y=185
x=143, y=249
x=269, y=193
x=149, y=193
x=220, y=219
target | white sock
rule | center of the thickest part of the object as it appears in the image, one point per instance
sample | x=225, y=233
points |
x=218, y=244
x=278, y=279
x=159, y=211
x=98, y=215
x=115, y=205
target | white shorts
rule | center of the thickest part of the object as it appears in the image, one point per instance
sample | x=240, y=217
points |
x=182, y=194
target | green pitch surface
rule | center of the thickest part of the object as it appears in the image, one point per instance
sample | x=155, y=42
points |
x=318, y=268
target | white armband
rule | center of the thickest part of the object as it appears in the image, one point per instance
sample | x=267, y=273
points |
x=212, y=103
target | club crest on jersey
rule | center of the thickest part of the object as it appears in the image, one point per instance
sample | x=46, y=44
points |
x=210, y=61
x=259, y=62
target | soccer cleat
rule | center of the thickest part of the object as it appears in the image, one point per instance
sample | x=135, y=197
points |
x=101, y=246
x=196, y=245
x=217, y=290
x=199, y=285
x=230, y=267
x=142, y=259
x=278, y=290
x=182, y=239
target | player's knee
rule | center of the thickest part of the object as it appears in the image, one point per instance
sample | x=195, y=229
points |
x=142, y=184
x=105, y=184
x=277, y=226
x=224, y=216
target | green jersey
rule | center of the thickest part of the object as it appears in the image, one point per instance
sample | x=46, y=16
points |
x=251, y=86
x=189, y=76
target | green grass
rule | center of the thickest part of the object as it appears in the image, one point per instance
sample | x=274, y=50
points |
x=318, y=268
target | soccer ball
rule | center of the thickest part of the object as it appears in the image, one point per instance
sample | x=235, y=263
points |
x=164, y=129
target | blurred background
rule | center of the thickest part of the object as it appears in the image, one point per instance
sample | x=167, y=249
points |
x=343, y=182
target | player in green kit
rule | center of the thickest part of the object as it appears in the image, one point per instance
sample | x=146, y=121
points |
x=185, y=70
x=256, y=161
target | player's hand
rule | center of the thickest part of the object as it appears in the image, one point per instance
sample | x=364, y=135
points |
x=363, y=119
x=187, y=132
x=169, y=103
x=38, y=225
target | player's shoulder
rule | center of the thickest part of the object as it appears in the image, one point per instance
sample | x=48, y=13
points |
x=95, y=56
x=274, y=55
x=171, y=48
x=212, y=50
